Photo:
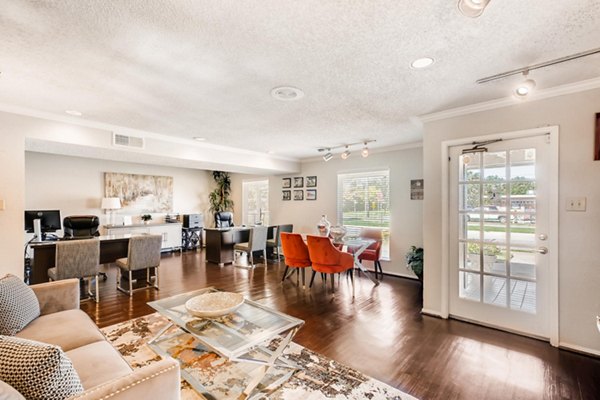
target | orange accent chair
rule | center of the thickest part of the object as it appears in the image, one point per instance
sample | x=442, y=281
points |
x=327, y=259
x=372, y=252
x=295, y=253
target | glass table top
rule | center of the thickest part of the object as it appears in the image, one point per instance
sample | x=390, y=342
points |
x=232, y=335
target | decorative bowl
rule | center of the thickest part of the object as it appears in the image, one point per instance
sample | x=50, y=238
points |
x=214, y=305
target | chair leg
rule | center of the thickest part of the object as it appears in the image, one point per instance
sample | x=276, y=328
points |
x=156, y=278
x=332, y=283
x=380, y=269
x=130, y=284
x=251, y=260
x=97, y=288
x=303, y=278
x=324, y=277
x=284, y=274
x=312, y=279
x=265, y=256
x=352, y=279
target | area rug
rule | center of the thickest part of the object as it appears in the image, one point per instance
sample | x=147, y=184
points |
x=318, y=378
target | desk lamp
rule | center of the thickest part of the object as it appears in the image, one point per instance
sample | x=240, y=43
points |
x=109, y=204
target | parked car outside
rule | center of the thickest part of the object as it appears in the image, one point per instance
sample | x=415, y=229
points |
x=475, y=214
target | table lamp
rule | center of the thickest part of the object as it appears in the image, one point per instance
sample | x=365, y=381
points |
x=110, y=204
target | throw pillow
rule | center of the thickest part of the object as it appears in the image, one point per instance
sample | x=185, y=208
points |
x=37, y=370
x=8, y=392
x=18, y=305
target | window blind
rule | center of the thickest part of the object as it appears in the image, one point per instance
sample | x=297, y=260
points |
x=364, y=199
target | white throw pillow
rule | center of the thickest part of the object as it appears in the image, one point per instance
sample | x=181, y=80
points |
x=18, y=305
x=37, y=370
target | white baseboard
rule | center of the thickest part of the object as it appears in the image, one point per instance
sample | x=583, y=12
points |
x=579, y=349
x=431, y=313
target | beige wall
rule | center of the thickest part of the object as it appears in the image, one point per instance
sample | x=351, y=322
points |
x=579, y=175
x=75, y=185
x=406, y=214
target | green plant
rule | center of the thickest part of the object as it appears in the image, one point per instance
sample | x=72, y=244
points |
x=488, y=249
x=146, y=217
x=414, y=261
x=220, y=197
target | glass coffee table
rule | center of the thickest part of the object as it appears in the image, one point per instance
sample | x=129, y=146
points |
x=227, y=357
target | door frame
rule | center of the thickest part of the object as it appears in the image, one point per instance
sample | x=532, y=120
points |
x=553, y=306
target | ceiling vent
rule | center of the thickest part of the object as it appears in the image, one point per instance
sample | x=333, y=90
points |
x=128, y=141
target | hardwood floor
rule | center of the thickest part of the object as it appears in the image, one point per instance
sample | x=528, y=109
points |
x=381, y=333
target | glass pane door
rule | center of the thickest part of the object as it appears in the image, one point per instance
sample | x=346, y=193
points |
x=256, y=202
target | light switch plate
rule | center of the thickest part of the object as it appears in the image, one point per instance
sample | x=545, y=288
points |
x=576, y=203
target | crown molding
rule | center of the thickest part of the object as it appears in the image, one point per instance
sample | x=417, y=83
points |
x=561, y=90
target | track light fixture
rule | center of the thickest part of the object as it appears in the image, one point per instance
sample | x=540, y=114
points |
x=524, y=87
x=345, y=154
x=472, y=8
x=328, y=155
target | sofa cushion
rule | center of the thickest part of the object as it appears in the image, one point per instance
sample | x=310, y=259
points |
x=37, y=370
x=68, y=329
x=98, y=363
x=8, y=392
x=18, y=305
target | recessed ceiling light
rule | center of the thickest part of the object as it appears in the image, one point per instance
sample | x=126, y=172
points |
x=74, y=112
x=287, y=93
x=200, y=139
x=422, y=63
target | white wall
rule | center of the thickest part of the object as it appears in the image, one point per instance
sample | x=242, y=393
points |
x=75, y=185
x=579, y=265
x=406, y=214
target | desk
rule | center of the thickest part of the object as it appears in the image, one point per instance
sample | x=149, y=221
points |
x=220, y=242
x=44, y=255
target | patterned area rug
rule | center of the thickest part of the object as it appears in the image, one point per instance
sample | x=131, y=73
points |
x=318, y=377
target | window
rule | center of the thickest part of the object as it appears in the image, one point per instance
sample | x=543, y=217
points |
x=364, y=201
x=255, y=197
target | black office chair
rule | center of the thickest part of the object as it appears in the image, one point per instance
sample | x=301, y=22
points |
x=223, y=219
x=82, y=227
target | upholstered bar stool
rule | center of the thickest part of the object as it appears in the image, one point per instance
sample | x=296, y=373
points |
x=373, y=252
x=143, y=253
x=296, y=254
x=256, y=242
x=77, y=259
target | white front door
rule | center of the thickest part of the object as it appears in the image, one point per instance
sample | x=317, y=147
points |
x=499, y=226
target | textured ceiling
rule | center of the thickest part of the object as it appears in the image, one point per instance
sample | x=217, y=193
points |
x=205, y=68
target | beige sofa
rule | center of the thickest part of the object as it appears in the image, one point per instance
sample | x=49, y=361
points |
x=103, y=372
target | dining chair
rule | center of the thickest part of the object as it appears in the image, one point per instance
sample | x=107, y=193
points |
x=373, y=252
x=327, y=259
x=275, y=242
x=143, y=253
x=77, y=259
x=295, y=253
x=256, y=242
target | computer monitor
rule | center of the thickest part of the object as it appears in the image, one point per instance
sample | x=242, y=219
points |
x=50, y=220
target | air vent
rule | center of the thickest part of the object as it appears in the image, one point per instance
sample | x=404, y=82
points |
x=128, y=141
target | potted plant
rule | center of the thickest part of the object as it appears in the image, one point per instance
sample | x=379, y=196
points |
x=146, y=218
x=220, y=197
x=414, y=261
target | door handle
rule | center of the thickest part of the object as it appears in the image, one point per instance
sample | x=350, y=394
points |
x=542, y=250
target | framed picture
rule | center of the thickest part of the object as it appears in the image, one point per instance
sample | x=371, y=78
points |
x=597, y=144
x=286, y=183
x=298, y=182
x=311, y=181
x=298, y=194
x=286, y=195
x=416, y=189
x=311, y=194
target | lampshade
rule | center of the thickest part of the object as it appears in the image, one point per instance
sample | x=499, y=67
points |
x=111, y=203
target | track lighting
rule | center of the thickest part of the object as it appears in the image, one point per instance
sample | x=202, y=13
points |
x=365, y=151
x=328, y=155
x=472, y=8
x=524, y=87
x=345, y=154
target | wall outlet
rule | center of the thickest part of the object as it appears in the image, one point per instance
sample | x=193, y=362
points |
x=576, y=203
